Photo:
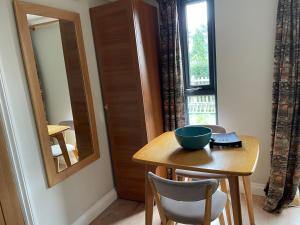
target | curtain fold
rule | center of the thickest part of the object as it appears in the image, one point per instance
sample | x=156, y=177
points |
x=171, y=66
x=285, y=154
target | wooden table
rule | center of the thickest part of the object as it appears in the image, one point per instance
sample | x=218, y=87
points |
x=233, y=162
x=56, y=131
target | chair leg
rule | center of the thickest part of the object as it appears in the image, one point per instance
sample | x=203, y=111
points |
x=179, y=178
x=56, y=162
x=227, y=207
x=249, y=200
x=221, y=219
x=174, y=175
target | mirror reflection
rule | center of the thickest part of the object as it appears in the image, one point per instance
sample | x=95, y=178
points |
x=60, y=76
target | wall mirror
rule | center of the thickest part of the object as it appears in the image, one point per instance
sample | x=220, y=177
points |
x=56, y=69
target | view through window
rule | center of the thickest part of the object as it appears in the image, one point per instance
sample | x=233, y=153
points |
x=199, y=62
x=196, y=21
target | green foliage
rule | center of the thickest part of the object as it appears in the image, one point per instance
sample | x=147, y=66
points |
x=198, y=54
x=202, y=118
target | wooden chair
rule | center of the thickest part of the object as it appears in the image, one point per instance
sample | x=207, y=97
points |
x=223, y=185
x=56, y=150
x=196, y=202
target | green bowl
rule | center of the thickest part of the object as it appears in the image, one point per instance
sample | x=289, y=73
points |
x=193, y=137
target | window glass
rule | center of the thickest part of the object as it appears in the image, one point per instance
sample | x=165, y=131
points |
x=196, y=18
x=197, y=38
x=201, y=109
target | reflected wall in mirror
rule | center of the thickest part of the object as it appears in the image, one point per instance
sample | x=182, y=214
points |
x=57, y=75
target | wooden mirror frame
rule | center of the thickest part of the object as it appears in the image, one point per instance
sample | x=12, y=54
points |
x=21, y=9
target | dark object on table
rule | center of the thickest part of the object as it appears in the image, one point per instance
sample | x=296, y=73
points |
x=228, y=139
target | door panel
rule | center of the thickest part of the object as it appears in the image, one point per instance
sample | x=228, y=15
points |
x=146, y=29
x=114, y=37
x=2, y=222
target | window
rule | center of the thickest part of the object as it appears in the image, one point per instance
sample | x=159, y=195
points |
x=196, y=19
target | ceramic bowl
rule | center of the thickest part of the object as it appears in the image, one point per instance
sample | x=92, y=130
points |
x=193, y=137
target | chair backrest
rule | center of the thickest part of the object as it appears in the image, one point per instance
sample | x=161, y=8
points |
x=183, y=191
x=216, y=128
x=68, y=123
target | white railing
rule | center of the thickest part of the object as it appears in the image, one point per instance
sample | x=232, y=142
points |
x=199, y=81
x=201, y=104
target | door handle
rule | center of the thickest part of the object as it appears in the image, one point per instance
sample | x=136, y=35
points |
x=105, y=107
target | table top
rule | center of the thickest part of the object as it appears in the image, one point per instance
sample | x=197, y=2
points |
x=55, y=129
x=165, y=151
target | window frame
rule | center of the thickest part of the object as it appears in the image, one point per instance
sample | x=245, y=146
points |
x=199, y=90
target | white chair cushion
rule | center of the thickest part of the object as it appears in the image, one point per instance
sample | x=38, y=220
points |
x=193, y=212
x=56, y=151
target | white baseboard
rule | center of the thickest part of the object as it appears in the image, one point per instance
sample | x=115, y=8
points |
x=257, y=188
x=97, y=208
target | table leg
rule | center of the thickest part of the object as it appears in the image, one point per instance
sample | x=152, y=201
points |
x=149, y=198
x=235, y=199
x=249, y=200
x=63, y=147
x=162, y=171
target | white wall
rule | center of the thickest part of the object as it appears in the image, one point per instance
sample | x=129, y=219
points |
x=245, y=37
x=67, y=201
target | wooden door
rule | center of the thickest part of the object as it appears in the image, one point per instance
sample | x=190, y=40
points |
x=10, y=210
x=115, y=43
x=147, y=36
x=2, y=221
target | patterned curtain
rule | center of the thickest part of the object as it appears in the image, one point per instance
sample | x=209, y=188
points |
x=171, y=66
x=285, y=154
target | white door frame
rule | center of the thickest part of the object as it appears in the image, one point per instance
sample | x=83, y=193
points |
x=14, y=152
